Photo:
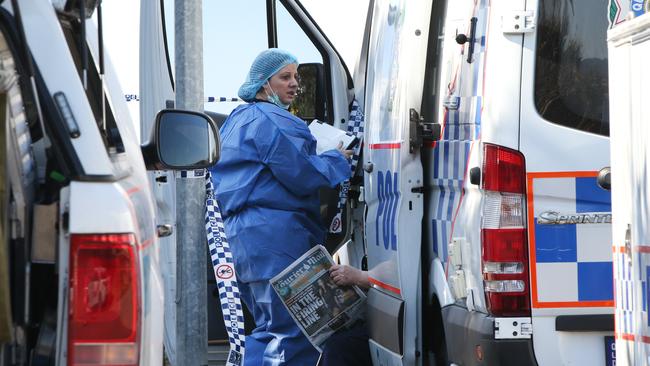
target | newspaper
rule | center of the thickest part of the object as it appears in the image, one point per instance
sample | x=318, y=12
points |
x=319, y=306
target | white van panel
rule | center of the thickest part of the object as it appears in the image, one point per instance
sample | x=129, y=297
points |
x=98, y=208
x=50, y=51
x=572, y=348
x=629, y=50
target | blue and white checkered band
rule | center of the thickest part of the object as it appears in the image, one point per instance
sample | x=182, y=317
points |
x=224, y=272
x=355, y=127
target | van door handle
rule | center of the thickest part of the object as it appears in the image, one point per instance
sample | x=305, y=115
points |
x=462, y=39
x=367, y=167
x=164, y=230
x=605, y=178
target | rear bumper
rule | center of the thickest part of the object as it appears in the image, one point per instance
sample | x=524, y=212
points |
x=465, y=330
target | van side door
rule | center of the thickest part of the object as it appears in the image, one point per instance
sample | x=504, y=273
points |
x=393, y=178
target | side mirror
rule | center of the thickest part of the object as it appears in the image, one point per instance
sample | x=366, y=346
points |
x=311, y=101
x=182, y=140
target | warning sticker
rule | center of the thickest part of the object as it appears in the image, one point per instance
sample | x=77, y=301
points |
x=225, y=271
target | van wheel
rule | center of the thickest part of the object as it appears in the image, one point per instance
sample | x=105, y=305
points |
x=435, y=341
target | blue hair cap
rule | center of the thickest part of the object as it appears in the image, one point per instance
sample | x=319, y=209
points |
x=265, y=65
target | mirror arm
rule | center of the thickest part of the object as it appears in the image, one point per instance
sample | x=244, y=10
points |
x=150, y=156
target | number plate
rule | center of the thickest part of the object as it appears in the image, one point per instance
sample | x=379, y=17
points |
x=610, y=351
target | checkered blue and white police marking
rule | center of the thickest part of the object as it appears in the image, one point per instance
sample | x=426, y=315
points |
x=355, y=127
x=632, y=275
x=462, y=123
x=576, y=254
x=191, y=174
x=224, y=272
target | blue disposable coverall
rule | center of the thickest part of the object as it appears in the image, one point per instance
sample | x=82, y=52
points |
x=267, y=182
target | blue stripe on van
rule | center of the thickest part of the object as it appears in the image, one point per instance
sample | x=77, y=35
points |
x=434, y=235
x=436, y=160
x=457, y=163
x=450, y=207
x=445, y=240
x=441, y=199
x=445, y=161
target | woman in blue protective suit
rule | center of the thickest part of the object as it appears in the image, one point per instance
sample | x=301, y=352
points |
x=267, y=182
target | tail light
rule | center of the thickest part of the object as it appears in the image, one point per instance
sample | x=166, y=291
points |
x=503, y=233
x=104, y=300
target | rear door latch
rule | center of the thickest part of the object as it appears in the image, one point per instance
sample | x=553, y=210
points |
x=421, y=132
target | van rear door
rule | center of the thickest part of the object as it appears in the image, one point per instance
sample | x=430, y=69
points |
x=564, y=138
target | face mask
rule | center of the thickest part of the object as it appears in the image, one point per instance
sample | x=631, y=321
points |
x=274, y=98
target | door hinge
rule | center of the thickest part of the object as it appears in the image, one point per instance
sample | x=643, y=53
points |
x=421, y=131
x=513, y=328
x=518, y=22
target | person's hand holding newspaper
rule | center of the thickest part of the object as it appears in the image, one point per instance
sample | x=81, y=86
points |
x=344, y=275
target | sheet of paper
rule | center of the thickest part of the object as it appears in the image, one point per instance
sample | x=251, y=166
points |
x=328, y=137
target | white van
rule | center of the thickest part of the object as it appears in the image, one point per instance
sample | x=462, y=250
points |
x=522, y=260
x=630, y=153
x=489, y=244
x=79, y=264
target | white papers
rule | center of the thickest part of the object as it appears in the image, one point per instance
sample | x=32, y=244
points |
x=329, y=137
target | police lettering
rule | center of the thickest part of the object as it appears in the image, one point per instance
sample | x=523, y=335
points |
x=388, y=195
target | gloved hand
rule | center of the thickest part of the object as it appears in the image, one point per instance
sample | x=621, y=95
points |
x=347, y=153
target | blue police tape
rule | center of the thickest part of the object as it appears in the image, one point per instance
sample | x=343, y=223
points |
x=224, y=273
x=136, y=98
x=355, y=127
x=222, y=99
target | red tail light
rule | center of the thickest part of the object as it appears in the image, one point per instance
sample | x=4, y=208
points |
x=503, y=233
x=104, y=301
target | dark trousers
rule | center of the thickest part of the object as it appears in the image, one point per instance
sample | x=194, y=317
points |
x=347, y=347
x=276, y=340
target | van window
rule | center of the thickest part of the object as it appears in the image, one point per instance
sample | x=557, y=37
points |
x=571, y=64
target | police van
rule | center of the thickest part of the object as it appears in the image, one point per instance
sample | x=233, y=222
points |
x=512, y=261
x=80, y=278
x=630, y=154
x=475, y=206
